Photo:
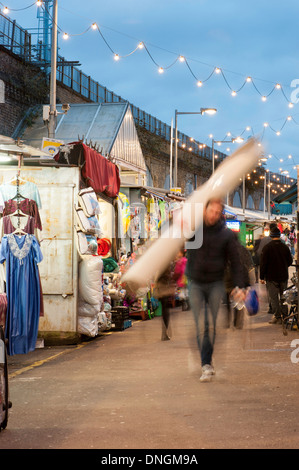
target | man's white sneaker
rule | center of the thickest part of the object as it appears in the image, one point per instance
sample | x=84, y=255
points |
x=207, y=372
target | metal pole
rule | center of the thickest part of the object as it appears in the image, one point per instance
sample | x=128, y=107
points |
x=171, y=145
x=52, y=116
x=176, y=150
x=269, y=215
x=213, y=157
x=265, y=183
x=243, y=195
x=297, y=266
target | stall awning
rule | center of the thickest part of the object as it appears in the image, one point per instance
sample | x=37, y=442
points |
x=288, y=196
x=101, y=174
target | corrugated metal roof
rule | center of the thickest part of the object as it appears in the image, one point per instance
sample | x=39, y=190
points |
x=109, y=126
x=288, y=196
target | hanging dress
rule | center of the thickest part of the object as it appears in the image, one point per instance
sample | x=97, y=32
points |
x=28, y=206
x=8, y=227
x=22, y=254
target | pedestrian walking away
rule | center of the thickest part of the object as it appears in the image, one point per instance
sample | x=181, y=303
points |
x=164, y=290
x=275, y=261
x=205, y=272
x=181, y=279
x=267, y=239
x=256, y=257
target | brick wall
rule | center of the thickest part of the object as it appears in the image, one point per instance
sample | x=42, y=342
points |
x=25, y=87
x=156, y=152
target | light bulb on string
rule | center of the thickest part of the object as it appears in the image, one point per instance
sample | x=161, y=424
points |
x=39, y=3
x=217, y=70
x=140, y=45
x=264, y=98
x=94, y=26
x=199, y=83
x=290, y=105
x=182, y=58
x=160, y=70
x=116, y=57
x=234, y=93
x=5, y=10
x=277, y=86
x=65, y=36
x=248, y=79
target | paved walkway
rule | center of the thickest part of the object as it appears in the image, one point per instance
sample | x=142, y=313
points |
x=130, y=390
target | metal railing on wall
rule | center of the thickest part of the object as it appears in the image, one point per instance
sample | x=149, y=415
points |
x=19, y=41
x=83, y=84
x=15, y=38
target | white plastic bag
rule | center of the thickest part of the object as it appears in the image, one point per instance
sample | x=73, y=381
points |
x=90, y=279
x=88, y=326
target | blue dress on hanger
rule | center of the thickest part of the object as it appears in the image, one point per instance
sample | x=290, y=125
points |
x=21, y=253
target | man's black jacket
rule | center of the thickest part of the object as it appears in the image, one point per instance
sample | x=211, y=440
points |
x=207, y=263
x=275, y=261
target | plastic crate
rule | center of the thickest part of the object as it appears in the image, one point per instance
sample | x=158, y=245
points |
x=121, y=325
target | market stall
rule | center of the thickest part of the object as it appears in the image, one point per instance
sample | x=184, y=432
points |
x=143, y=211
x=54, y=218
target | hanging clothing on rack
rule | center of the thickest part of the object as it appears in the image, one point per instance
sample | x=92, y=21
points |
x=8, y=226
x=28, y=190
x=28, y=206
x=22, y=255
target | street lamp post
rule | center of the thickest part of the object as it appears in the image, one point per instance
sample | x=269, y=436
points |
x=202, y=111
x=52, y=114
x=269, y=195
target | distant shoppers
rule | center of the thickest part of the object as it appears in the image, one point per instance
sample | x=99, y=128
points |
x=293, y=239
x=267, y=239
x=274, y=269
x=164, y=290
x=256, y=257
x=235, y=317
x=285, y=238
x=181, y=279
x=205, y=272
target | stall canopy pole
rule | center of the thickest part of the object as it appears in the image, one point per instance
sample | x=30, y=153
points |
x=297, y=233
x=171, y=146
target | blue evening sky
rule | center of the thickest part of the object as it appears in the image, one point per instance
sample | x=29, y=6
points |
x=257, y=38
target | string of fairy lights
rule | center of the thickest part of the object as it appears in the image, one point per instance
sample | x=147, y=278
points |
x=200, y=81
x=248, y=80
